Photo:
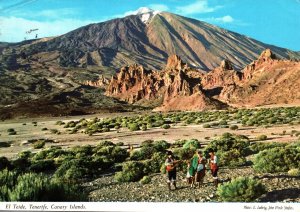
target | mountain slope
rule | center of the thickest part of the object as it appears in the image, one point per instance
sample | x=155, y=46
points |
x=149, y=42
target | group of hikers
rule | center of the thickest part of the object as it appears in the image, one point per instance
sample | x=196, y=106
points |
x=196, y=169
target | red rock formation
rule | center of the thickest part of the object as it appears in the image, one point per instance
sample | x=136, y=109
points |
x=265, y=81
x=175, y=85
x=221, y=76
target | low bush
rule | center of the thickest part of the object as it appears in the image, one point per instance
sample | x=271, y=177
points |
x=119, y=154
x=20, y=164
x=233, y=127
x=242, y=189
x=229, y=141
x=144, y=153
x=4, y=144
x=153, y=165
x=133, y=127
x=277, y=159
x=73, y=170
x=179, y=143
x=131, y=171
x=39, y=144
x=184, y=153
x=232, y=158
x=166, y=126
x=4, y=163
x=42, y=165
x=206, y=126
x=262, y=137
x=54, y=131
x=144, y=127
x=294, y=172
x=193, y=143
x=145, y=180
x=259, y=146
x=36, y=187
x=161, y=145
x=10, y=130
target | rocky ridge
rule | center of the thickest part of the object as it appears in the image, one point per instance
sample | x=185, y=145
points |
x=180, y=87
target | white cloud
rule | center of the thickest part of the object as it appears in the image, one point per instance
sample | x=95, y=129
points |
x=225, y=19
x=199, y=6
x=14, y=29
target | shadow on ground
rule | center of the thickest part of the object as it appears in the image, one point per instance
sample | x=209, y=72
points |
x=288, y=194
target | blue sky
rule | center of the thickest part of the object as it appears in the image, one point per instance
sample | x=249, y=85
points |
x=275, y=22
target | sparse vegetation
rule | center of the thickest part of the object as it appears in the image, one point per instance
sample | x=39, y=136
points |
x=242, y=189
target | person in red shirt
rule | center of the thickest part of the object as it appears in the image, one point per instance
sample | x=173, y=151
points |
x=214, y=166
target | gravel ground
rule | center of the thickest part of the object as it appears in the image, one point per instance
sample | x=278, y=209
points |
x=281, y=188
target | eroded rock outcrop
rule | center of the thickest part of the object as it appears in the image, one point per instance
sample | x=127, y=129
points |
x=178, y=86
x=267, y=80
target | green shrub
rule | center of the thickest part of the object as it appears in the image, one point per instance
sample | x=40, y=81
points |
x=39, y=144
x=184, y=153
x=223, y=122
x=4, y=144
x=179, y=143
x=119, y=154
x=153, y=165
x=59, y=123
x=262, y=137
x=206, y=126
x=4, y=163
x=10, y=130
x=166, y=126
x=20, y=164
x=259, y=146
x=44, y=129
x=147, y=143
x=242, y=189
x=144, y=127
x=233, y=127
x=163, y=169
x=294, y=172
x=230, y=141
x=36, y=187
x=42, y=165
x=120, y=144
x=232, y=158
x=105, y=143
x=145, y=180
x=161, y=145
x=73, y=170
x=278, y=159
x=145, y=152
x=133, y=127
x=131, y=171
x=82, y=151
x=193, y=143
x=54, y=131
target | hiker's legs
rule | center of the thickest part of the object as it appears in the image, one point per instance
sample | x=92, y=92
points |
x=215, y=177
